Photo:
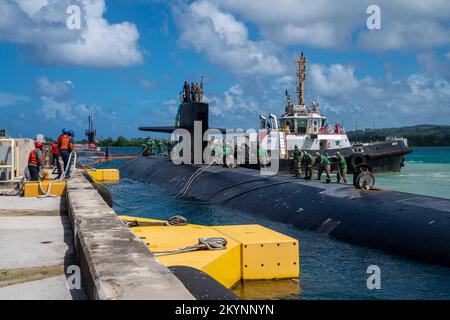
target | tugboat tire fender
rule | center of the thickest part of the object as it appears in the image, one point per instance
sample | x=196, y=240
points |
x=358, y=170
x=357, y=160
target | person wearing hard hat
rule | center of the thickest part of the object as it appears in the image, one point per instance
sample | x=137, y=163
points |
x=36, y=161
x=55, y=157
x=65, y=145
x=64, y=131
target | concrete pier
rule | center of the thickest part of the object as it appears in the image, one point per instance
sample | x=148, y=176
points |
x=36, y=246
x=41, y=238
x=114, y=262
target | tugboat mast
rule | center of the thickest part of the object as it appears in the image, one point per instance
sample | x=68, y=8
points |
x=300, y=78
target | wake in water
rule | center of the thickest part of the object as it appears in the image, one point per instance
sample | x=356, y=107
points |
x=430, y=179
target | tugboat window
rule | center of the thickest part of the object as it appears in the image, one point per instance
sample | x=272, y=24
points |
x=301, y=125
x=316, y=126
x=290, y=124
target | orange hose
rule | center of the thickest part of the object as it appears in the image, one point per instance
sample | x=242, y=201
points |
x=111, y=159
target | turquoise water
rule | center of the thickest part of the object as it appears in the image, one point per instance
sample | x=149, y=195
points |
x=330, y=269
x=427, y=172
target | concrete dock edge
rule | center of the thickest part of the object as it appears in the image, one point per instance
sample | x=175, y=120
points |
x=115, y=264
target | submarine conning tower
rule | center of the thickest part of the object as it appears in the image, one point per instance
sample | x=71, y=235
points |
x=191, y=110
x=188, y=113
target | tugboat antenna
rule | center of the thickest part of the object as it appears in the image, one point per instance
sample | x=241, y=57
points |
x=300, y=78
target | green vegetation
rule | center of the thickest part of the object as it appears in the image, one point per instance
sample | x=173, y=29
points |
x=124, y=142
x=418, y=136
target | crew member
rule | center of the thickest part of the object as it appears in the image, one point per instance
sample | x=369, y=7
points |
x=186, y=92
x=170, y=146
x=262, y=153
x=197, y=92
x=324, y=165
x=297, y=162
x=144, y=150
x=213, y=149
x=160, y=146
x=193, y=92
x=228, y=153
x=151, y=146
x=55, y=154
x=342, y=171
x=36, y=161
x=65, y=146
x=309, y=161
x=62, y=133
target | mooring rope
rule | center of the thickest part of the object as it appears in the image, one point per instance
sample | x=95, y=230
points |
x=175, y=221
x=193, y=178
x=70, y=169
x=215, y=243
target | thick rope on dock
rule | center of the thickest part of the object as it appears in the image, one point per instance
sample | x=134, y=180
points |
x=175, y=221
x=215, y=243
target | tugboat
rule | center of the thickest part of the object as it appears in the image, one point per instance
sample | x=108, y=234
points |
x=306, y=127
x=90, y=149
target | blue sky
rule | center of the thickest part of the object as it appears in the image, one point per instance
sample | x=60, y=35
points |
x=127, y=62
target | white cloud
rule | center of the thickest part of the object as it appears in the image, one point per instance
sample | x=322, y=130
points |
x=41, y=29
x=67, y=111
x=387, y=102
x=321, y=23
x=31, y=7
x=58, y=90
x=224, y=40
x=234, y=102
x=334, y=80
x=402, y=36
x=406, y=24
x=57, y=103
x=9, y=100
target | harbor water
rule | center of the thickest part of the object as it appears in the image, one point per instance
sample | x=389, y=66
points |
x=330, y=269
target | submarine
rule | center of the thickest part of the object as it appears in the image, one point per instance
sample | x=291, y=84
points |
x=408, y=225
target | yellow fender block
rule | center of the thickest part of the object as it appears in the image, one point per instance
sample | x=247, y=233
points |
x=253, y=252
x=105, y=175
x=32, y=190
x=266, y=254
x=222, y=265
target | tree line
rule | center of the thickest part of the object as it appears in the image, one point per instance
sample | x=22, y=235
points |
x=418, y=136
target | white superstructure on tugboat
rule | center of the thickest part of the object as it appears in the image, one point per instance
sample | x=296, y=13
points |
x=306, y=127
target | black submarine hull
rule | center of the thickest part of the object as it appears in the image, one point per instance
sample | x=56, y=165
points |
x=412, y=226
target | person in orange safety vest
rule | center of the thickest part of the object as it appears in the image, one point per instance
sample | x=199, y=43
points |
x=35, y=161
